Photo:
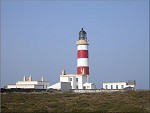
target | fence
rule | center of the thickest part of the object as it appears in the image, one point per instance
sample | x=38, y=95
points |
x=93, y=90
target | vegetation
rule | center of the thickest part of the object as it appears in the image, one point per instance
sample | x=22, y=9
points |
x=132, y=101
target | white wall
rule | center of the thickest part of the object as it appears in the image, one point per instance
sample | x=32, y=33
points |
x=30, y=84
x=81, y=80
x=11, y=86
x=64, y=78
x=27, y=82
x=20, y=86
x=89, y=86
x=73, y=82
x=44, y=83
x=73, y=79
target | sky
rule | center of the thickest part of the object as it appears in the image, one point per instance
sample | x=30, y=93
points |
x=38, y=38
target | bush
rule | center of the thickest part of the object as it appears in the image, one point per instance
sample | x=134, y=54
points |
x=132, y=101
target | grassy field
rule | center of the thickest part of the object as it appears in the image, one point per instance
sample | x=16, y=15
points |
x=132, y=101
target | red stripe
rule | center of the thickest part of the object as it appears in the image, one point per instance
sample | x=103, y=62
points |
x=82, y=54
x=83, y=67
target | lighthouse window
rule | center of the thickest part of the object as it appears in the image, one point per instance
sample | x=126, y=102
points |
x=106, y=86
x=76, y=79
x=116, y=86
x=111, y=86
x=70, y=79
x=77, y=87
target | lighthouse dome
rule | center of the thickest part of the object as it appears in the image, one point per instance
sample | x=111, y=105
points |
x=82, y=35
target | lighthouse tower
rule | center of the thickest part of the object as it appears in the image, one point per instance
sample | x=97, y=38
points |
x=82, y=53
x=80, y=79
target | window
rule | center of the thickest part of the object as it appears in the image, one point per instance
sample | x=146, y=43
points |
x=70, y=79
x=122, y=86
x=111, y=86
x=76, y=79
x=77, y=87
x=106, y=86
x=116, y=86
x=84, y=87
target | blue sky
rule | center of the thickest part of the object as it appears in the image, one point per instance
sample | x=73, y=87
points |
x=38, y=38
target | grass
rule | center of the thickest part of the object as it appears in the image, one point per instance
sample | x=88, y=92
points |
x=132, y=101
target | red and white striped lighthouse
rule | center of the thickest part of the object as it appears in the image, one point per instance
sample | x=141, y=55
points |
x=82, y=53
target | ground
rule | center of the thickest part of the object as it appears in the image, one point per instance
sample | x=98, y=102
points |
x=132, y=101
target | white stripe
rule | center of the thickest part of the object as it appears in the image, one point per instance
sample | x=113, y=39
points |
x=82, y=62
x=82, y=47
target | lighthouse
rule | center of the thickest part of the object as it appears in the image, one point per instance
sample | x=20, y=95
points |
x=82, y=54
x=80, y=79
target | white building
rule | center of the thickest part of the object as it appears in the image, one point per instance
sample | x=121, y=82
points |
x=77, y=81
x=30, y=84
x=89, y=86
x=119, y=85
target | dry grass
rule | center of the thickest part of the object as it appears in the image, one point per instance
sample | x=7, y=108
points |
x=133, y=101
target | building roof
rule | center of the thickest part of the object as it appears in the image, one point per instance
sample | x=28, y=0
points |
x=131, y=82
x=73, y=75
x=87, y=83
x=55, y=86
x=115, y=82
